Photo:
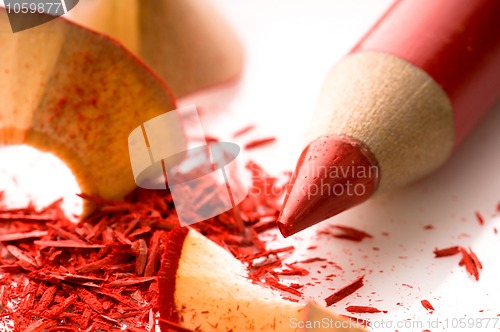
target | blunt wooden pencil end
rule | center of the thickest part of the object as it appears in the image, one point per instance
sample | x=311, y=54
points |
x=333, y=174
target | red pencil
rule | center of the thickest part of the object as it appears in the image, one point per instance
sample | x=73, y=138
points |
x=395, y=108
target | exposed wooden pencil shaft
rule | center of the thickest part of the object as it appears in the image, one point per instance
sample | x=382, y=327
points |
x=395, y=108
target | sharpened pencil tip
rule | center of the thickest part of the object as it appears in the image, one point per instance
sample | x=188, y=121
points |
x=333, y=174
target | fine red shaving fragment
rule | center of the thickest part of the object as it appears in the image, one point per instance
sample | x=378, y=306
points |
x=258, y=272
x=243, y=130
x=348, y=233
x=68, y=244
x=363, y=310
x=209, y=138
x=345, y=291
x=291, y=299
x=276, y=284
x=21, y=236
x=26, y=218
x=268, y=253
x=141, y=257
x=259, y=142
x=293, y=270
x=474, y=258
x=468, y=259
x=446, y=251
x=310, y=260
x=479, y=218
x=152, y=261
x=469, y=263
x=427, y=305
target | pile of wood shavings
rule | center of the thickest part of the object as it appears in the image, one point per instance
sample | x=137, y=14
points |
x=100, y=274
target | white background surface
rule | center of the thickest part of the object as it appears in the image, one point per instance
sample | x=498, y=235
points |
x=290, y=46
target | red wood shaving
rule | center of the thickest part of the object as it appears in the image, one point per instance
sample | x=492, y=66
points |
x=258, y=272
x=11, y=217
x=68, y=244
x=22, y=236
x=479, y=218
x=446, y=251
x=276, y=284
x=469, y=263
x=268, y=253
x=141, y=256
x=347, y=233
x=311, y=260
x=243, y=130
x=259, y=142
x=475, y=260
x=468, y=259
x=363, y=310
x=293, y=270
x=345, y=291
x=46, y=299
x=427, y=305
x=209, y=138
x=152, y=261
x=291, y=299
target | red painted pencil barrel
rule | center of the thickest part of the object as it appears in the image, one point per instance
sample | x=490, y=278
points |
x=457, y=42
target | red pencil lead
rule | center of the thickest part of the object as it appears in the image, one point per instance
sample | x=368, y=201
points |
x=333, y=173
